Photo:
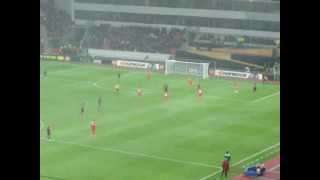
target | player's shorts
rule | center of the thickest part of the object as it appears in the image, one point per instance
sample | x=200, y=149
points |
x=226, y=169
x=166, y=94
x=200, y=92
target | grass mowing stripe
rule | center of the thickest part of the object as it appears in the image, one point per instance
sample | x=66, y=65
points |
x=134, y=154
x=239, y=162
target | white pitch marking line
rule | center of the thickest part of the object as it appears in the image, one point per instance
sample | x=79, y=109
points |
x=96, y=85
x=271, y=169
x=239, y=162
x=211, y=175
x=137, y=154
x=78, y=83
x=253, y=155
x=226, y=99
x=65, y=70
x=266, y=97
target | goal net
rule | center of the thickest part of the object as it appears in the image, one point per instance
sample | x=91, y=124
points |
x=187, y=68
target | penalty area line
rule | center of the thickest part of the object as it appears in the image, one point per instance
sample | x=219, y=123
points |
x=242, y=160
x=266, y=97
x=135, y=154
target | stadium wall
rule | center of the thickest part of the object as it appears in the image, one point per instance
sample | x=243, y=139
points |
x=138, y=56
x=128, y=59
x=179, y=12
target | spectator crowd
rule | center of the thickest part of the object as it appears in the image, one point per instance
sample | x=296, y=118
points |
x=135, y=38
x=54, y=23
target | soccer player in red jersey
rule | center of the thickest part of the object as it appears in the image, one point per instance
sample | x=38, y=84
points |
x=93, y=128
x=199, y=91
x=225, y=168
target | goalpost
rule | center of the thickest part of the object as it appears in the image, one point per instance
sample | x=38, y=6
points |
x=187, y=68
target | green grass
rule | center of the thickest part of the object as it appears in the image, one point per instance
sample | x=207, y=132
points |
x=183, y=130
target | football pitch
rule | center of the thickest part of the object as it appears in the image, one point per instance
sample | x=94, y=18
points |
x=145, y=137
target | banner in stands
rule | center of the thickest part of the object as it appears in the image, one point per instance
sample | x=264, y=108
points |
x=211, y=72
x=97, y=61
x=158, y=67
x=236, y=74
x=54, y=57
x=132, y=64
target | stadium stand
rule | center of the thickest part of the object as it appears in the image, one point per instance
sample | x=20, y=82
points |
x=258, y=60
x=234, y=34
x=257, y=6
x=135, y=38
